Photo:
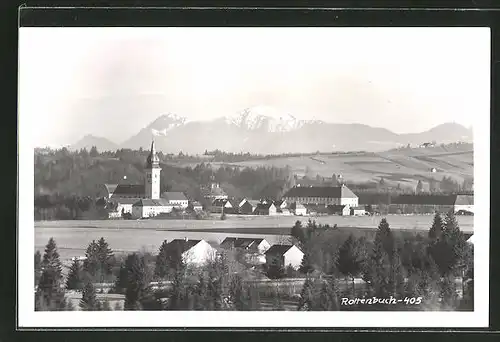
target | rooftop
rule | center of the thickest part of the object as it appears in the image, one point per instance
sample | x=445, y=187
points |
x=321, y=191
x=174, y=196
x=278, y=249
x=147, y=202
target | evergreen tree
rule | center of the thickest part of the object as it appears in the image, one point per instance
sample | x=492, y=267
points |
x=437, y=227
x=298, y=232
x=397, y=279
x=91, y=262
x=74, y=280
x=38, y=266
x=137, y=282
x=384, y=235
x=105, y=259
x=448, y=293
x=349, y=263
x=89, y=300
x=306, y=266
x=50, y=295
x=161, y=266
x=328, y=297
x=380, y=270
x=420, y=187
x=307, y=296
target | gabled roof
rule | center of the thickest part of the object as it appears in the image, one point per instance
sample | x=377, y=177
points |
x=174, y=196
x=110, y=188
x=321, y=191
x=219, y=202
x=196, y=204
x=127, y=190
x=254, y=203
x=147, y=202
x=182, y=245
x=125, y=200
x=264, y=206
x=278, y=249
x=240, y=242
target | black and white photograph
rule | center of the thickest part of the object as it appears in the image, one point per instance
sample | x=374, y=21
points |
x=170, y=172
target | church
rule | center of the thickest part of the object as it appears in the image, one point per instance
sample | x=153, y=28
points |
x=144, y=200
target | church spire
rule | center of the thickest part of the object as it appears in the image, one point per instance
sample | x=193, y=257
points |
x=153, y=161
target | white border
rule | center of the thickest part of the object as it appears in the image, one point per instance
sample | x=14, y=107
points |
x=28, y=318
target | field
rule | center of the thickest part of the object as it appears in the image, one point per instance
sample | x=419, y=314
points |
x=72, y=237
x=405, y=165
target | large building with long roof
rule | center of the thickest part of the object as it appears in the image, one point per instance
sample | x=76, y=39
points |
x=327, y=195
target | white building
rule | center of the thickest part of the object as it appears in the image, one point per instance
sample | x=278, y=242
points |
x=284, y=255
x=194, y=252
x=250, y=244
x=176, y=199
x=328, y=195
x=144, y=208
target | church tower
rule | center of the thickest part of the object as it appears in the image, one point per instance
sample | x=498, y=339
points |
x=152, y=181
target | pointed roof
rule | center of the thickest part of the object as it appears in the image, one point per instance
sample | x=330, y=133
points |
x=321, y=191
x=152, y=161
x=279, y=249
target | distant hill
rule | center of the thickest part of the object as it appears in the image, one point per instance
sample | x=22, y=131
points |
x=405, y=165
x=102, y=144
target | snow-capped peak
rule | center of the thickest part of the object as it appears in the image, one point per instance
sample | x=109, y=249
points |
x=265, y=118
x=167, y=122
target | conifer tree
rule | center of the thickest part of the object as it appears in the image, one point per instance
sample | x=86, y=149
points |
x=306, y=266
x=307, y=296
x=328, y=297
x=380, y=270
x=91, y=262
x=448, y=293
x=349, y=263
x=437, y=227
x=397, y=280
x=105, y=259
x=38, y=266
x=384, y=235
x=161, y=266
x=89, y=300
x=50, y=295
x=137, y=282
x=74, y=280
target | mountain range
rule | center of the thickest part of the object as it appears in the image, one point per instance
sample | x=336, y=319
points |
x=265, y=130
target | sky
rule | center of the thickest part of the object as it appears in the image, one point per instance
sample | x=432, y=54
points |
x=112, y=82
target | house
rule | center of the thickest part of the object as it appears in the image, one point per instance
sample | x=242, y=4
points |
x=193, y=252
x=358, y=211
x=464, y=202
x=214, y=192
x=147, y=207
x=298, y=209
x=284, y=256
x=281, y=204
x=176, y=199
x=342, y=210
x=327, y=195
x=247, y=207
x=196, y=206
x=265, y=208
x=249, y=244
x=225, y=205
x=123, y=205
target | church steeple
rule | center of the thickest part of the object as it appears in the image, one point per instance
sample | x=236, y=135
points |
x=152, y=161
x=153, y=169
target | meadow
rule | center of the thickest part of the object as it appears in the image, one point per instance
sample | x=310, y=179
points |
x=401, y=165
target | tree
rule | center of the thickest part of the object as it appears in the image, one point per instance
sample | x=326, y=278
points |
x=397, y=279
x=306, y=301
x=89, y=300
x=306, y=265
x=137, y=282
x=384, y=235
x=74, y=280
x=298, y=232
x=448, y=293
x=437, y=227
x=50, y=295
x=328, y=297
x=161, y=266
x=380, y=270
x=91, y=262
x=275, y=269
x=238, y=294
x=38, y=266
x=105, y=258
x=93, y=152
x=349, y=262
